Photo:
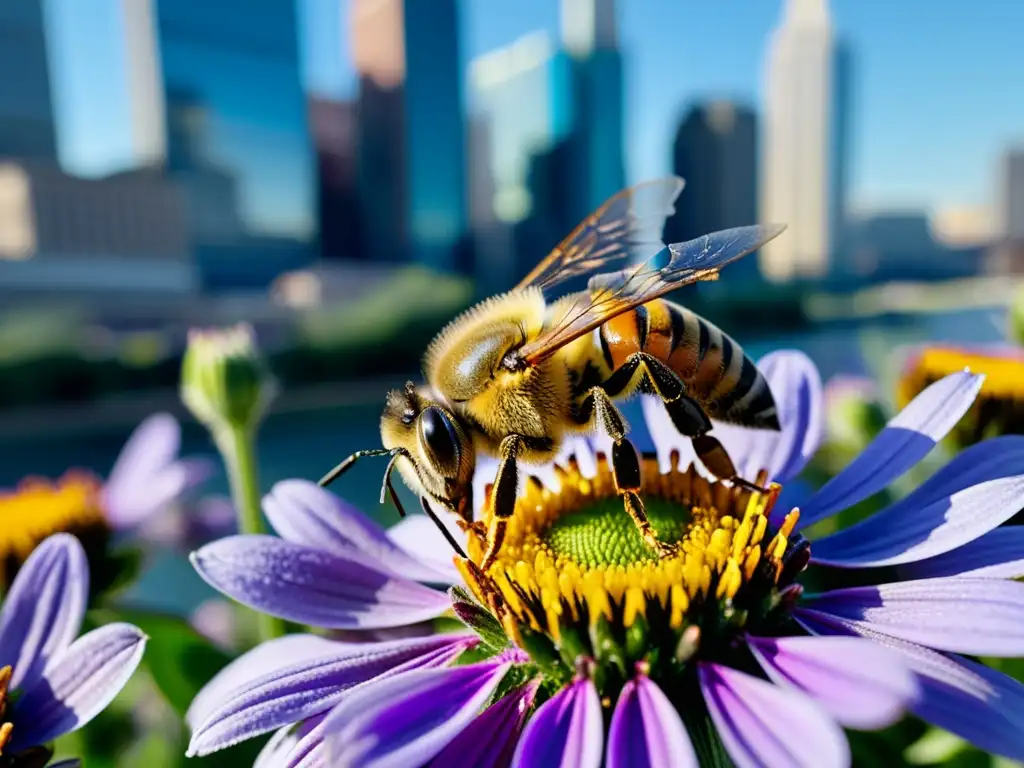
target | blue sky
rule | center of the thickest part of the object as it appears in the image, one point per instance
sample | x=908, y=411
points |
x=937, y=89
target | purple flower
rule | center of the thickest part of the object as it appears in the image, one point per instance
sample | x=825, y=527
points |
x=590, y=650
x=147, y=478
x=148, y=475
x=60, y=681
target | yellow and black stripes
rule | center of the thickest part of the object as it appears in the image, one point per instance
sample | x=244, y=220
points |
x=716, y=371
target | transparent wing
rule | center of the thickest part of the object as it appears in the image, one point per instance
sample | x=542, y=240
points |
x=627, y=228
x=613, y=293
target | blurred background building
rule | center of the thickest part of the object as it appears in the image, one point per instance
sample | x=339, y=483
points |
x=182, y=165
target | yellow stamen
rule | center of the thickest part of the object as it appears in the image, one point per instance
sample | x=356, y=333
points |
x=39, y=508
x=5, y=728
x=549, y=572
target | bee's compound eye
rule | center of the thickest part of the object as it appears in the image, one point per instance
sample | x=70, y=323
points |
x=439, y=438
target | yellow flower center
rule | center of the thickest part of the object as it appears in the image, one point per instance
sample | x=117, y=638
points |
x=574, y=555
x=40, y=508
x=5, y=726
x=1004, y=375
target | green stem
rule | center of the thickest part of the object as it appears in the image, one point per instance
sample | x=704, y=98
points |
x=238, y=447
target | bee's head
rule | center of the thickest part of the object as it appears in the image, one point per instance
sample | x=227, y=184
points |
x=438, y=455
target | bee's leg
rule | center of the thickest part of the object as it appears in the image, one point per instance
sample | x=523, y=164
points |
x=625, y=465
x=345, y=465
x=687, y=416
x=503, y=498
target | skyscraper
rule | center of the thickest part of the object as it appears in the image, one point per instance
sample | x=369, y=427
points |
x=524, y=89
x=715, y=151
x=590, y=36
x=26, y=110
x=237, y=136
x=1010, y=195
x=412, y=136
x=333, y=125
x=804, y=142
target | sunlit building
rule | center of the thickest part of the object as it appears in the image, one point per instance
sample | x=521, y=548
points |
x=804, y=142
x=237, y=135
x=1010, y=195
x=26, y=109
x=334, y=128
x=411, y=125
x=715, y=151
x=590, y=36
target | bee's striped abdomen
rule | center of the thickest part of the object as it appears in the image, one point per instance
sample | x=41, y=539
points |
x=717, y=372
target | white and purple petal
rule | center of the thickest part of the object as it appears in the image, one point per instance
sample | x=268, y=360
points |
x=304, y=513
x=297, y=690
x=646, y=730
x=490, y=739
x=906, y=439
x=567, y=731
x=148, y=475
x=312, y=586
x=405, y=720
x=983, y=617
x=761, y=724
x=861, y=684
x=976, y=492
x=999, y=554
x=968, y=699
x=77, y=685
x=42, y=613
x=417, y=535
x=298, y=746
x=796, y=386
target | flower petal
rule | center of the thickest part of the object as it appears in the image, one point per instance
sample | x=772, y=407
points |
x=266, y=658
x=567, y=731
x=314, y=587
x=490, y=739
x=295, y=746
x=646, y=730
x=418, y=536
x=762, y=724
x=906, y=439
x=796, y=385
x=147, y=475
x=299, y=690
x=43, y=611
x=861, y=684
x=983, y=617
x=977, y=703
x=78, y=685
x=407, y=719
x=150, y=448
x=980, y=489
x=999, y=554
x=304, y=513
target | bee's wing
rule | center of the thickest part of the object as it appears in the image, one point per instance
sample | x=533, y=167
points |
x=627, y=226
x=613, y=293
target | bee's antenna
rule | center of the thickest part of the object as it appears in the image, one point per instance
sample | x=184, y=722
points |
x=344, y=466
x=442, y=527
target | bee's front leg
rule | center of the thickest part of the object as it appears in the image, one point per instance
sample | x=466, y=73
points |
x=503, y=498
x=625, y=465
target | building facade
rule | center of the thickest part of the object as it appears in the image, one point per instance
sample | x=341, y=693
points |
x=26, y=108
x=411, y=162
x=804, y=143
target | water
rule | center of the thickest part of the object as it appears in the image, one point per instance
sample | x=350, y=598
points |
x=306, y=444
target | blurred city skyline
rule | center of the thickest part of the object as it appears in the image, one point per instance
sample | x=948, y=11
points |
x=929, y=114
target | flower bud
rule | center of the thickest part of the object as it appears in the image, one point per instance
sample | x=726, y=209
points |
x=224, y=380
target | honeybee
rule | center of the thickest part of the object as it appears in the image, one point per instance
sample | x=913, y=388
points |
x=516, y=374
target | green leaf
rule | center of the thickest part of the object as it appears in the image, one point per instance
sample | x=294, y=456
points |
x=180, y=660
x=478, y=619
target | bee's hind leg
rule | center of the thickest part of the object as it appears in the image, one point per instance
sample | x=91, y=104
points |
x=625, y=466
x=503, y=498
